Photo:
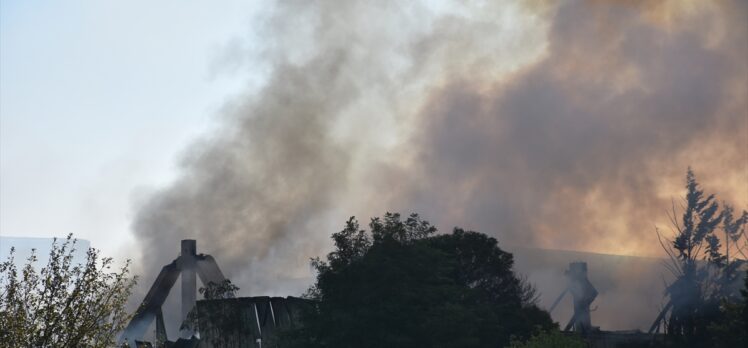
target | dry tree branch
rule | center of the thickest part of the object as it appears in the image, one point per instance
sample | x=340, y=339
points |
x=668, y=251
x=670, y=268
x=672, y=215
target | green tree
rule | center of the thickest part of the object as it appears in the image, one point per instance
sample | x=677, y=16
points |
x=64, y=304
x=731, y=329
x=225, y=317
x=217, y=291
x=705, y=274
x=403, y=286
x=549, y=339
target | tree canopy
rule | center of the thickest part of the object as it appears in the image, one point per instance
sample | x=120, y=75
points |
x=64, y=304
x=707, y=279
x=402, y=285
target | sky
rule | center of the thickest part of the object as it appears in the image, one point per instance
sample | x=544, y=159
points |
x=97, y=100
x=258, y=128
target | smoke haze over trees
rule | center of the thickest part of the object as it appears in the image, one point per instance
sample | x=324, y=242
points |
x=562, y=126
x=399, y=285
x=707, y=281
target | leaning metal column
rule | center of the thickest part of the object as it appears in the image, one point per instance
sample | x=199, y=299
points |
x=584, y=293
x=187, y=260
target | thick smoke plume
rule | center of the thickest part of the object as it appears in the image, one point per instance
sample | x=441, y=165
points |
x=561, y=127
x=585, y=148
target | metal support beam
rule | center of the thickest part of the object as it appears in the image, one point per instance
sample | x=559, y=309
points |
x=161, y=336
x=555, y=303
x=208, y=270
x=572, y=322
x=187, y=265
x=583, y=294
x=656, y=324
x=152, y=303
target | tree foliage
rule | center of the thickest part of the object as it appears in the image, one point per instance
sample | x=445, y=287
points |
x=400, y=285
x=731, y=329
x=222, y=290
x=550, y=339
x=705, y=275
x=225, y=317
x=64, y=304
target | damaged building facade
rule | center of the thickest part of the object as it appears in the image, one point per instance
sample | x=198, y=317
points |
x=246, y=322
x=226, y=322
x=254, y=322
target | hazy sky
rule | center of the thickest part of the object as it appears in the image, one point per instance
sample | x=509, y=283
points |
x=97, y=99
x=258, y=128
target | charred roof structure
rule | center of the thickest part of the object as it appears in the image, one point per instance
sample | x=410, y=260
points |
x=583, y=294
x=188, y=266
x=247, y=322
x=254, y=322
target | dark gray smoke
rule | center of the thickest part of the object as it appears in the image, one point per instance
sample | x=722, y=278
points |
x=561, y=127
x=264, y=192
x=585, y=148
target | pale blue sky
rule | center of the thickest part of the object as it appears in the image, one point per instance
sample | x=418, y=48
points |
x=98, y=98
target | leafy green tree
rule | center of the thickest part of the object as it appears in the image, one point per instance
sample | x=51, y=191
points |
x=403, y=286
x=217, y=291
x=549, y=339
x=64, y=304
x=705, y=274
x=731, y=329
x=227, y=318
